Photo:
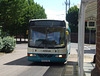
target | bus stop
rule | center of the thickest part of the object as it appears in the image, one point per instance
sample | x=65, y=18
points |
x=87, y=9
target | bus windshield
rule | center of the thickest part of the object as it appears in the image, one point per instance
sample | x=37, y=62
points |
x=46, y=37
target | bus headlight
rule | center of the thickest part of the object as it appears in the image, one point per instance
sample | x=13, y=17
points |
x=60, y=56
x=32, y=55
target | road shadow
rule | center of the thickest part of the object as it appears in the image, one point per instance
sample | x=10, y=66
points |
x=46, y=64
x=55, y=69
x=24, y=62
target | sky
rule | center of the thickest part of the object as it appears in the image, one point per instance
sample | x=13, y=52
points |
x=55, y=9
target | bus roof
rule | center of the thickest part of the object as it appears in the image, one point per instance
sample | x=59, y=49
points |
x=45, y=20
x=66, y=24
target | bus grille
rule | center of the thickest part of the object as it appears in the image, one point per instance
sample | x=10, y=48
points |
x=45, y=55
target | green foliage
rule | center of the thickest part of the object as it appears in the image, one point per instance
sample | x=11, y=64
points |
x=3, y=34
x=1, y=44
x=74, y=29
x=72, y=18
x=72, y=15
x=0, y=30
x=15, y=15
x=9, y=44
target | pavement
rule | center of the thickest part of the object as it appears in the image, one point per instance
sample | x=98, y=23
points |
x=70, y=68
x=88, y=65
x=89, y=52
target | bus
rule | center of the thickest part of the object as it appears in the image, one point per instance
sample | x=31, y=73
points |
x=48, y=40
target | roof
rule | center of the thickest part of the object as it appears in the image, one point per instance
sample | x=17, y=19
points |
x=87, y=0
x=91, y=11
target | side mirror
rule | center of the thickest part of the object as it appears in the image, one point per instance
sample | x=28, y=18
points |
x=67, y=33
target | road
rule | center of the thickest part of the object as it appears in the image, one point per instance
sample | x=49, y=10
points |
x=16, y=64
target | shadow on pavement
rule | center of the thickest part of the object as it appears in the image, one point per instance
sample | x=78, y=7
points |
x=88, y=67
x=91, y=51
x=55, y=69
x=70, y=69
x=24, y=62
x=21, y=42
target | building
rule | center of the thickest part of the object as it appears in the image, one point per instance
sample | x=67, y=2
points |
x=90, y=12
x=96, y=70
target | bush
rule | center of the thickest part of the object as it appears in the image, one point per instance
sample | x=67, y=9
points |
x=1, y=44
x=9, y=44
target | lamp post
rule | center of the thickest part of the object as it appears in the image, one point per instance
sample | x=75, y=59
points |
x=67, y=4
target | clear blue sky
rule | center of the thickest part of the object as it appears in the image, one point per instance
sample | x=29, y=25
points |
x=55, y=8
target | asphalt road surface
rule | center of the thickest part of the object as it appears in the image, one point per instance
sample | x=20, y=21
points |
x=16, y=64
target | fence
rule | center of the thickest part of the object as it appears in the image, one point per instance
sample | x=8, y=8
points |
x=74, y=38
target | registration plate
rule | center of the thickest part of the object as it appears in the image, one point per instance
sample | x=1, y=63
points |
x=46, y=50
x=45, y=60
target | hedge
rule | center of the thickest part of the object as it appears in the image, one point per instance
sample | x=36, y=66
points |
x=8, y=44
x=1, y=44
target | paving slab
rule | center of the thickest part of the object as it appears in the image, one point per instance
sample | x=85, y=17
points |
x=71, y=68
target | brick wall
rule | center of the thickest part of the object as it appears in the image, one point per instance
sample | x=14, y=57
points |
x=98, y=37
x=74, y=38
x=96, y=71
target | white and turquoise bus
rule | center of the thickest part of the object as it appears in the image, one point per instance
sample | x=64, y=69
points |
x=48, y=41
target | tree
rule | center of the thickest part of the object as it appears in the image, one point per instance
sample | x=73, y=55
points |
x=10, y=11
x=72, y=18
x=15, y=15
x=32, y=11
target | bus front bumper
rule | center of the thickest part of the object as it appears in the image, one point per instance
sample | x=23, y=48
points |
x=46, y=57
